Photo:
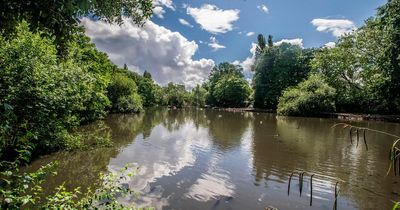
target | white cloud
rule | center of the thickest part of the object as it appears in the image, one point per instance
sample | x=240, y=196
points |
x=297, y=41
x=167, y=55
x=214, y=44
x=159, y=11
x=159, y=5
x=337, y=27
x=184, y=22
x=249, y=61
x=213, y=19
x=330, y=45
x=250, y=34
x=263, y=8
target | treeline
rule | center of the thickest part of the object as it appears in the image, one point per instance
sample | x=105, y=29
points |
x=361, y=74
x=53, y=79
x=45, y=96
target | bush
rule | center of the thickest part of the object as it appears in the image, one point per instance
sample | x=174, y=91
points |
x=232, y=91
x=41, y=97
x=123, y=95
x=309, y=97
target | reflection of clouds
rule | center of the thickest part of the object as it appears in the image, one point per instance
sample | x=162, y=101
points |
x=163, y=153
x=213, y=184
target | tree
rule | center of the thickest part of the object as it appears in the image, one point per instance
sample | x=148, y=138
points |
x=310, y=97
x=61, y=17
x=41, y=97
x=198, y=96
x=146, y=75
x=232, y=91
x=276, y=69
x=270, y=42
x=123, y=95
x=388, y=18
x=260, y=45
x=175, y=95
x=218, y=96
x=84, y=54
x=147, y=90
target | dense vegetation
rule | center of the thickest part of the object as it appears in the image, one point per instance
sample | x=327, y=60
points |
x=310, y=97
x=227, y=86
x=277, y=68
x=363, y=69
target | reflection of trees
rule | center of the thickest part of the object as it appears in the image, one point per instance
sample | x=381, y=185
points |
x=227, y=128
x=283, y=145
x=82, y=168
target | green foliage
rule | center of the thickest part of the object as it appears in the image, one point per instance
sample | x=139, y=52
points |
x=232, y=91
x=364, y=65
x=15, y=186
x=96, y=63
x=42, y=98
x=61, y=17
x=175, y=95
x=123, y=95
x=198, y=96
x=309, y=97
x=277, y=68
x=224, y=82
x=23, y=190
x=147, y=90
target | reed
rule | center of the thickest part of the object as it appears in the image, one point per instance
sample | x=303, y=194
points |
x=290, y=179
x=358, y=138
x=336, y=196
x=394, y=153
x=365, y=140
x=311, y=189
x=301, y=184
x=351, y=136
x=301, y=174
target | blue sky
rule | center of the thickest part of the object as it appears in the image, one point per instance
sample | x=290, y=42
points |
x=185, y=39
x=286, y=19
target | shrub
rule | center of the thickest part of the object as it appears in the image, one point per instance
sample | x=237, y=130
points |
x=309, y=97
x=123, y=95
x=232, y=91
x=41, y=97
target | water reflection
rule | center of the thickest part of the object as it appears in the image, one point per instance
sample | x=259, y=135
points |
x=209, y=159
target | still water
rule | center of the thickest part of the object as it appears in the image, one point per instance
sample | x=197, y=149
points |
x=209, y=159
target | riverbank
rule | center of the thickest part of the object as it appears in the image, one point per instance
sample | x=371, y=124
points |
x=343, y=116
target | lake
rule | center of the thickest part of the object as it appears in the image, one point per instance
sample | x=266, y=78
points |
x=210, y=159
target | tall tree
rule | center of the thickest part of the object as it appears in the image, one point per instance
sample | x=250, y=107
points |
x=261, y=45
x=388, y=17
x=270, y=42
x=279, y=67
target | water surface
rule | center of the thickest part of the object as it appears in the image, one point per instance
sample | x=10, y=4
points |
x=209, y=159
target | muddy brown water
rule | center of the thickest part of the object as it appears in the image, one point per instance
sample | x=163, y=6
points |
x=209, y=159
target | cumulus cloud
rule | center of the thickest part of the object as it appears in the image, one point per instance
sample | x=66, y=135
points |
x=159, y=11
x=337, y=27
x=249, y=61
x=213, y=19
x=250, y=33
x=159, y=5
x=214, y=44
x=263, y=8
x=296, y=41
x=167, y=55
x=184, y=22
x=330, y=45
